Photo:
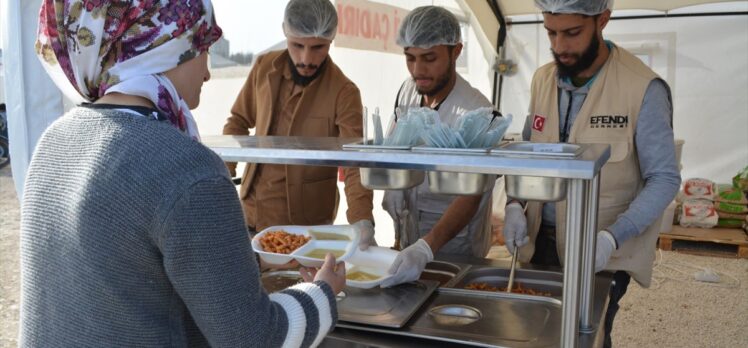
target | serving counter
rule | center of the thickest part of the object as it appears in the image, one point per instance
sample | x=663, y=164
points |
x=504, y=319
x=572, y=319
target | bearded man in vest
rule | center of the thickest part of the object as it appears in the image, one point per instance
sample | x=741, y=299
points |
x=597, y=92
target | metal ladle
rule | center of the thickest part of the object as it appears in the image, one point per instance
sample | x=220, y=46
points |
x=511, y=272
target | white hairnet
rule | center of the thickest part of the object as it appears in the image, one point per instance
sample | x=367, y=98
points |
x=310, y=18
x=584, y=7
x=429, y=26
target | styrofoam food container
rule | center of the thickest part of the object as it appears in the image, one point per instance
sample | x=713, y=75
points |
x=300, y=254
x=276, y=258
x=375, y=260
x=348, y=246
x=345, y=230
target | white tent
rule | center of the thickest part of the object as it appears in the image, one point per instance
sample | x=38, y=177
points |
x=700, y=47
x=32, y=100
x=700, y=51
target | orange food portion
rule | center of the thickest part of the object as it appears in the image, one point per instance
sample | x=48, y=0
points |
x=518, y=289
x=282, y=242
x=481, y=287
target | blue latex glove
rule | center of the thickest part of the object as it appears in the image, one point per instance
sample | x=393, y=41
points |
x=606, y=243
x=365, y=229
x=409, y=264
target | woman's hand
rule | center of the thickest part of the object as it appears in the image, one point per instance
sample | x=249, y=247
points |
x=330, y=273
x=293, y=264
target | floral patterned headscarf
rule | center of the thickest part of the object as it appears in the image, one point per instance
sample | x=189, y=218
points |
x=124, y=46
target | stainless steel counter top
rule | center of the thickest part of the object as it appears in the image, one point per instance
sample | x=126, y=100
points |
x=328, y=151
x=508, y=320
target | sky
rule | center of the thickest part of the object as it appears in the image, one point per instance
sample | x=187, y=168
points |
x=250, y=25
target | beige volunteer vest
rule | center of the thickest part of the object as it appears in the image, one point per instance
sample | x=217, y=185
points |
x=608, y=115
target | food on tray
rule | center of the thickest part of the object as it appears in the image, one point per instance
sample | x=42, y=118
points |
x=361, y=276
x=282, y=242
x=517, y=290
x=328, y=236
x=321, y=253
x=481, y=286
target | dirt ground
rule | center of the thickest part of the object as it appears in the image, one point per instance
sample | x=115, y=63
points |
x=676, y=312
x=9, y=269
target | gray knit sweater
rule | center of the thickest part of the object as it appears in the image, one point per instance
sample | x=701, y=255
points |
x=132, y=235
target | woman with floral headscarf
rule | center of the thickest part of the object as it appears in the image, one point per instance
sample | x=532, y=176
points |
x=132, y=233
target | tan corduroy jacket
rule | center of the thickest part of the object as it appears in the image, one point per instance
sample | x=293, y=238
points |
x=329, y=106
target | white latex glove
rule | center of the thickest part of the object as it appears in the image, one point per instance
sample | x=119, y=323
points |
x=365, y=229
x=515, y=226
x=394, y=202
x=409, y=264
x=606, y=243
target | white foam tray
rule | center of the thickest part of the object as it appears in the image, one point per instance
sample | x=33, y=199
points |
x=347, y=246
x=375, y=260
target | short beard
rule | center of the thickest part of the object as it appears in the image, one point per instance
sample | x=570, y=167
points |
x=441, y=81
x=305, y=80
x=583, y=62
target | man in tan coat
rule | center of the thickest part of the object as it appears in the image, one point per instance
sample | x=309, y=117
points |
x=597, y=92
x=299, y=91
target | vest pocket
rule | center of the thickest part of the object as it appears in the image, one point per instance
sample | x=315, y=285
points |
x=618, y=151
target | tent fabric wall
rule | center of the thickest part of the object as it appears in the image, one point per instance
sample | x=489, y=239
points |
x=514, y=7
x=705, y=61
x=486, y=26
x=33, y=102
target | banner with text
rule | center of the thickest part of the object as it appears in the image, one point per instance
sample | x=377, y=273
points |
x=367, y=25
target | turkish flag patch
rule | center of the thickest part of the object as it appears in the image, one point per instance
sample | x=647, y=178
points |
x=538, y=122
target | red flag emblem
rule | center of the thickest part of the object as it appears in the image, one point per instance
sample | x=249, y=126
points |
x=538, y=122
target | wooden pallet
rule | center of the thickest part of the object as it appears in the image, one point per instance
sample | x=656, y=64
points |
x=724, y=242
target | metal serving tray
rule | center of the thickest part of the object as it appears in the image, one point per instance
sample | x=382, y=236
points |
x=546, y=281
x=390, y=307
x=483, y=319
x=452, y=183
x=538, y=149
x=383, y=178
x=535, y=188
x=390, y=179
x=446, y=273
